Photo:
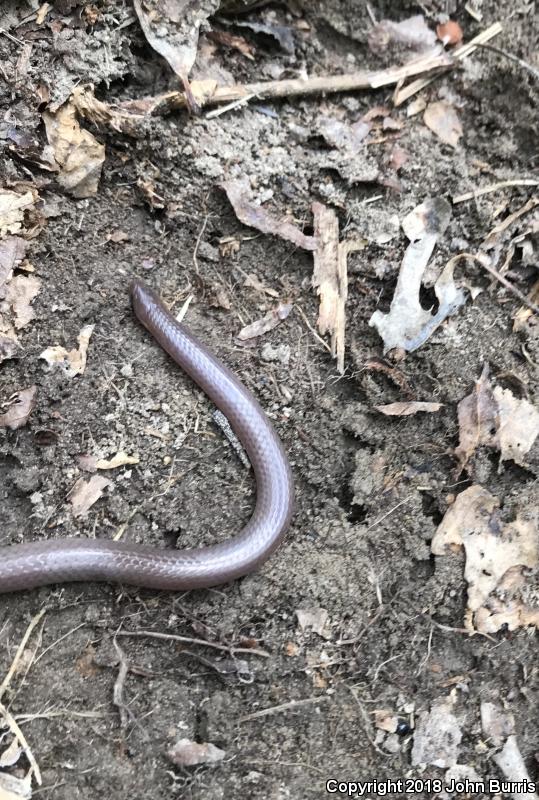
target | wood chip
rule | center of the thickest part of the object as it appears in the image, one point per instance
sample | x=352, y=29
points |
x=19, y=410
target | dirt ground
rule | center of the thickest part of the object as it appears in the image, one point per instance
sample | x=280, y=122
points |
x=371, y=489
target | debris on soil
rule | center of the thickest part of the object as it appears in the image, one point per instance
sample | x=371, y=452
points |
x=20, y=407
x=172, y=30
x=13, y=788
x=76, y=151
x=266, y=323
x=10, y=755
x=511, y=764
x=437, y=736
x=413, y=33
x=121, y=459
x=238, y=191
x=449, y=33
x=330, y=278
x=13, y=206
x=315, y=618
x=441, y=118
x=386, y=720
x=499, y=727
x=85, y=493
x=405, y=409
x=497, y=556
x=12, y=252
x=408, y=325
x=186, y=753
x=72, y=362
x=497, y=419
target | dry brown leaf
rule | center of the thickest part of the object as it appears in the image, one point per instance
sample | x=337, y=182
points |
x=496, y=553
x=186, y=753
x=86, y=493
x=233, y=41
x=19, y=409
x=385, y=720
x=478, y=419
x=76, y=151
x=253, y=282
x=238, y=191
x=121, y=459
x=20, y=292
x=404, y=409
x=12, y=208
x=73, y=362
x=172, y=28
x=518, y=425
x=512, y=765
x=495, y=418
x=441, y=118
x=12, y=252
x=266, y=323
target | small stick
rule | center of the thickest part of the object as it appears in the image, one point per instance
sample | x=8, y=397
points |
x=19, y=735
x=494, y=187
x=511, y=57
x=188, y=640
x=508, y=285
x=266, y=712
x=461, y=52
x=20, y=649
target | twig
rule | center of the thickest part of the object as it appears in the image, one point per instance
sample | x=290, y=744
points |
x=387, y=514
x=511, y=57
x=461, y=52
x=293, y=704
x=312, y=330
x=508, y=285
x=243, y=101
x=494, y=187
x=188, y=640
x=13, y=668
x=19, y=735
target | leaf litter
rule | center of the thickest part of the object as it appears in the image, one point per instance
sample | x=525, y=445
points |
x=498, y=554
x=408, y=325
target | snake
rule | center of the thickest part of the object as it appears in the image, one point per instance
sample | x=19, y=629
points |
x=44, y=562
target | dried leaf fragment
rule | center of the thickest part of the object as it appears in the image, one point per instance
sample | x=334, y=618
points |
x=12, y=252
x=186, y=753
x=441, y=118
x=496, y=554
x=405, y=409
x=266, y=323
x=495, y=418
x=73, y=362
x=315, y=618
x=238, y=191
x=12, y=208
x=121, y=459
x=86, y=493
x=20, y=408
x=21, y=291
x=172, y=29
x=76, y=151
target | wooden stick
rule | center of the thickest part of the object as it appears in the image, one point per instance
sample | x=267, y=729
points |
x=461, y=52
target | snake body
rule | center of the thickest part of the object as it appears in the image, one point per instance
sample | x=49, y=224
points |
x=39, y=563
